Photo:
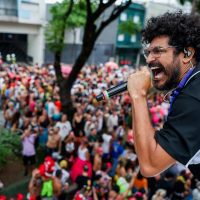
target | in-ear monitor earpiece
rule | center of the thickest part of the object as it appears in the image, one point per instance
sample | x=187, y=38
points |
x=187, y=52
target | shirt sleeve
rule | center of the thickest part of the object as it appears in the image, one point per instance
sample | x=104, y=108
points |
x=180, y=136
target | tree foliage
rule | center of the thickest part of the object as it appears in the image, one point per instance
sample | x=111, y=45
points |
x=129, y=27
x=54, y=29
x=77, y=17
x=9, y=142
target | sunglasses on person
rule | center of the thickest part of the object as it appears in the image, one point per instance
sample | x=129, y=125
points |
x=156, y=51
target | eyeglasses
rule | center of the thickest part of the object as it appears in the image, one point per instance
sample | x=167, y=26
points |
x=156, y=51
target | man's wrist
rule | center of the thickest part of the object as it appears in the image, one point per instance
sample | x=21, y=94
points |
x=139, y=95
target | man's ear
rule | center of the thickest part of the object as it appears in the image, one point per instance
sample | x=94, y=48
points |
x=188, y=54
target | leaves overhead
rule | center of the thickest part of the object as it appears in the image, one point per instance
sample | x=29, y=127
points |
x=75, y=19
x=129, y=27
x=53, y=33
x=83, y=12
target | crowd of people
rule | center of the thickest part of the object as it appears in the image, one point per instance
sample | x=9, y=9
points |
x=91, y=154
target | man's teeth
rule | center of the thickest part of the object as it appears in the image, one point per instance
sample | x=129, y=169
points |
x=153, y=68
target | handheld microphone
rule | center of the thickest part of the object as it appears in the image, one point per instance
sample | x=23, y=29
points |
x=107, y=94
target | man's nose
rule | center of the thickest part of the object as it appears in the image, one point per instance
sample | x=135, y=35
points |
x=150, y=58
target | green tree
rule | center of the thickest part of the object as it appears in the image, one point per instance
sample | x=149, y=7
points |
x=9, y=145
x=77, y=18
x=129, y=27
x=93, y=27
x=55, y=30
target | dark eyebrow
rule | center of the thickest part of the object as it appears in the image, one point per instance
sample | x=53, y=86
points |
x=149, y=48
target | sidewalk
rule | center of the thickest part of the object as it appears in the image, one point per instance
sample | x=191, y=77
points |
x=15, y=188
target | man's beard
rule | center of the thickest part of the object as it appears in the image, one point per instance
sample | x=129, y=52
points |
x=173, y=80
x=172, y=72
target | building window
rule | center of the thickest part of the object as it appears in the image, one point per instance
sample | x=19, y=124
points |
x=120, y=37
x=136, y=19
x=25, y=14
x=133, y=38
x=123, y=17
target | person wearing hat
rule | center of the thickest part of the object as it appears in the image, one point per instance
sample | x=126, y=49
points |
x=65, y=174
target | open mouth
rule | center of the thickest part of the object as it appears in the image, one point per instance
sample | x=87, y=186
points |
x=158, y=72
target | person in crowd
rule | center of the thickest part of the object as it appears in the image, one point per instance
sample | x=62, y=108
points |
x=70, y=148
x=114, y=193
x=50, y=108
x=83, y=158
x=166, y=182
x=112, y=121
x=141, y=184
x=83, y=179
x=97, y=163
x=54, y=141
x=159, y=195
x=64, y=126
x=88, y=124
x=78, y=122
x=172, y=55
x=65, y=174
x=28, y=149
x=44, y=122
x=93, y=139
x=8, y=115
x=57, y=184
x=39, y=85
x=35, y=185
x=116, y=151
x=100, y=120
x=106, y=145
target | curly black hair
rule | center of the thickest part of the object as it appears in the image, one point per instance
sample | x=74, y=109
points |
x=182, y=29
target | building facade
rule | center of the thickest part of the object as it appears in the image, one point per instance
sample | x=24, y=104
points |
x=128, y=45
x=103, y=50
x=106, y=46
x=21, y=29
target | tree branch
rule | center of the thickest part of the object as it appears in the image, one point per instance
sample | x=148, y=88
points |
x=115, y=13
x=89, y=10
x=65, y=17
x=61, y=41
x=68, y=12
x=101, y=8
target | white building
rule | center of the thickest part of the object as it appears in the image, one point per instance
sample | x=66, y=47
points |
x=158, y=7
x=21, y=29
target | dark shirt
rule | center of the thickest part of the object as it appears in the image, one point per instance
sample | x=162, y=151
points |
x=180, y=136
x=166, y=184
x=81, y=181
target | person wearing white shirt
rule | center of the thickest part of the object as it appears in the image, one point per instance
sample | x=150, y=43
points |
x=64, y=127
x=50, y=107
x=106, y=144
x=112, y=121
